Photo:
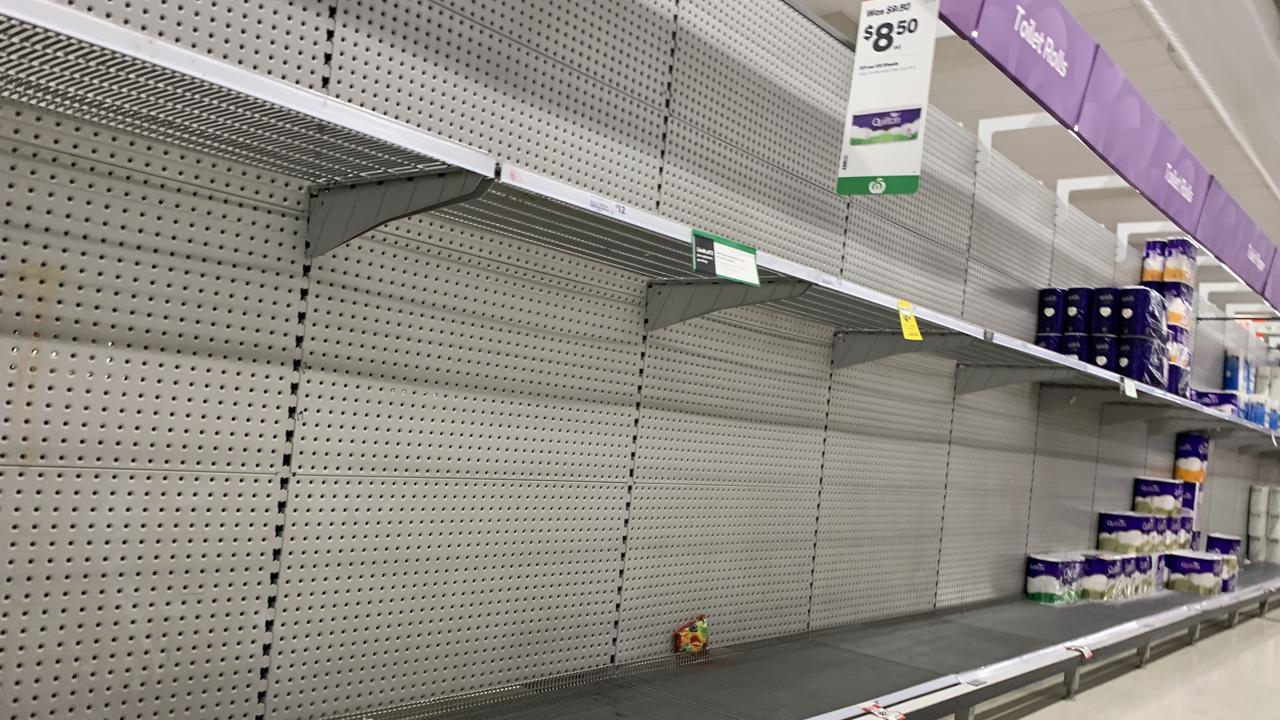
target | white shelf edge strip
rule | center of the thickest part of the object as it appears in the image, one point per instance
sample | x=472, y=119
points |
x=94, y=31
x=538, y=184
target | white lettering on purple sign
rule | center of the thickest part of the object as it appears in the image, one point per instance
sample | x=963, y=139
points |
x=1179, y=183
x=1255, y=257
x=1043, y=44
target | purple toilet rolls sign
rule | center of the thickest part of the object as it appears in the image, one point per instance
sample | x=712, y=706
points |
x=1175, y=181
x=1228, y=232
x=1117, y=122
x=961, y=15
x=1042, y=47
x=1272, y=291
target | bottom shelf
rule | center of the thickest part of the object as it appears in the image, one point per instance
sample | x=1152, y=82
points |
x=827, y=674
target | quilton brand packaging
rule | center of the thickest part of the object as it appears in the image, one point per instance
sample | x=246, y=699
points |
x=1145, y=581
x=1153, y=260
x=1144, y=359
x=1049, y=341
x=1191, y=459
x=1180, y=304
x=1054, y=579
x=1178, y=381
x=1053, y=311
x=1180, y=262
x=1079, y=309
x=1076, y=346
x=1103, y=577
x=1157, y=496
x=1126, y=532
x=1142, y=313
x=1230, y=573
x=1223, y=402
x=1104, y=351
x=1184, y=532
x=1106, y=315
x=1224, y=544
x=1194, y=572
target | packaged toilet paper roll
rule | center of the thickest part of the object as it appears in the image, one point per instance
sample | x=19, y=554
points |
x=1053, y=311
x=1106, y=316
x=1224, y=544
x=1230, y=573
x=1191, y=458
x=1126, y=532
x=1194, y=572
x=1144, y=359
x=1145, y=582
x=1050, y=341
x=1142, y=313
x=1076, y=346
x=1273, y=502
x=1157, y=496
x=1259, y=501
x=1257, y=526
x=1153, y=260
x=1184, y=532
x=1234, y=370
x=1257, y=551
x=1179, y=381
x=1103, y=577
x=1103, y=351
x=1273, y=550
x=1079, y=311
x=1223, y=402
x=1180, y=304
x=1180, y=261
x=1054, y=579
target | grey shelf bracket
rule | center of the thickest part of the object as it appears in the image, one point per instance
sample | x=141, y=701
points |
x=1059, y=396
x=673, y=302
x=341, y=213
x=976, y=378
x=855, y=348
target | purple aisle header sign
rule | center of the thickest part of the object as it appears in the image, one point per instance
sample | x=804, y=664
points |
x=1176, y=182
x=961, y=15
x=1227, y=232
x=1272, y=291
x=1042, y=48
x=1117, y=122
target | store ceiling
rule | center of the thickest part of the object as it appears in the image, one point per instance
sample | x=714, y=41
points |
x=1185, y=57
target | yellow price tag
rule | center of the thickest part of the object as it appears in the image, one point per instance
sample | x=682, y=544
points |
x=907, y=314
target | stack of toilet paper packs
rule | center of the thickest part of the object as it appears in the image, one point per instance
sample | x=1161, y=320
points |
x=1264, y=524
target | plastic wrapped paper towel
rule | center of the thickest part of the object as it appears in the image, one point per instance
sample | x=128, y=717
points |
x=1195, y=572
x=1054, y=579
x=1157, y=496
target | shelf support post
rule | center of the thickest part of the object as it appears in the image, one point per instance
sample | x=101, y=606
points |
x=1144, y=655
x=341, y=213
x=1072, y=681
x=672, y=302
x=1193, y=634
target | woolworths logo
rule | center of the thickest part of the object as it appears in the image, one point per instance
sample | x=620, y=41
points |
x=877, y=186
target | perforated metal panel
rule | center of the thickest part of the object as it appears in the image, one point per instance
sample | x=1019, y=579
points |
x=999, y=301
x=1210, y=345
x=883, y=255
x=741, y=553
x=426, y=65
x=1066, y=463
x=1122, y=456
x=286, y=39
x=149, y=320
x=765, y=81
x=150, y=297
x=943, y=208
x=1013, y=220
x=1129, y=270
x=1084, y=252
x=1226, y=504
x=714, y=186
x=397, y=590
x=880, y=517
x=466, y=424
x=737, y=397
x=438, y=351
x=1160, y=449
x=988, y=500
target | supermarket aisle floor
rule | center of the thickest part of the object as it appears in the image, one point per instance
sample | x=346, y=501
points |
x=1232, y=674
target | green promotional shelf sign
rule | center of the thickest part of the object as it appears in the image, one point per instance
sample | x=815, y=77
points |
x=889, y=98
x=724, y=258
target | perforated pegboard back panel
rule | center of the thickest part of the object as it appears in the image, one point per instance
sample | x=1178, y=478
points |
x=1066, y=462
x=399, y=590
x=711, y=185
x=736, y=397
x=1013, y=220
x=1226, y=503
x=151, y=297
x=999, y=301
x=885, y=470
x=1160, y=450
x=1129, y=269
x=1084, y=252
x=764, y=80
x=746, y=562
x=943, y=208
x=1122, y=456
x=435, y=350
x=1209, y=345
x=427, y=65
x=150, y=320
x=285, y=39
x=988, y=500
x=883, y=255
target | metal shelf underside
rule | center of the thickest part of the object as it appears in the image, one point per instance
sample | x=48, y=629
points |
x=925, y=662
